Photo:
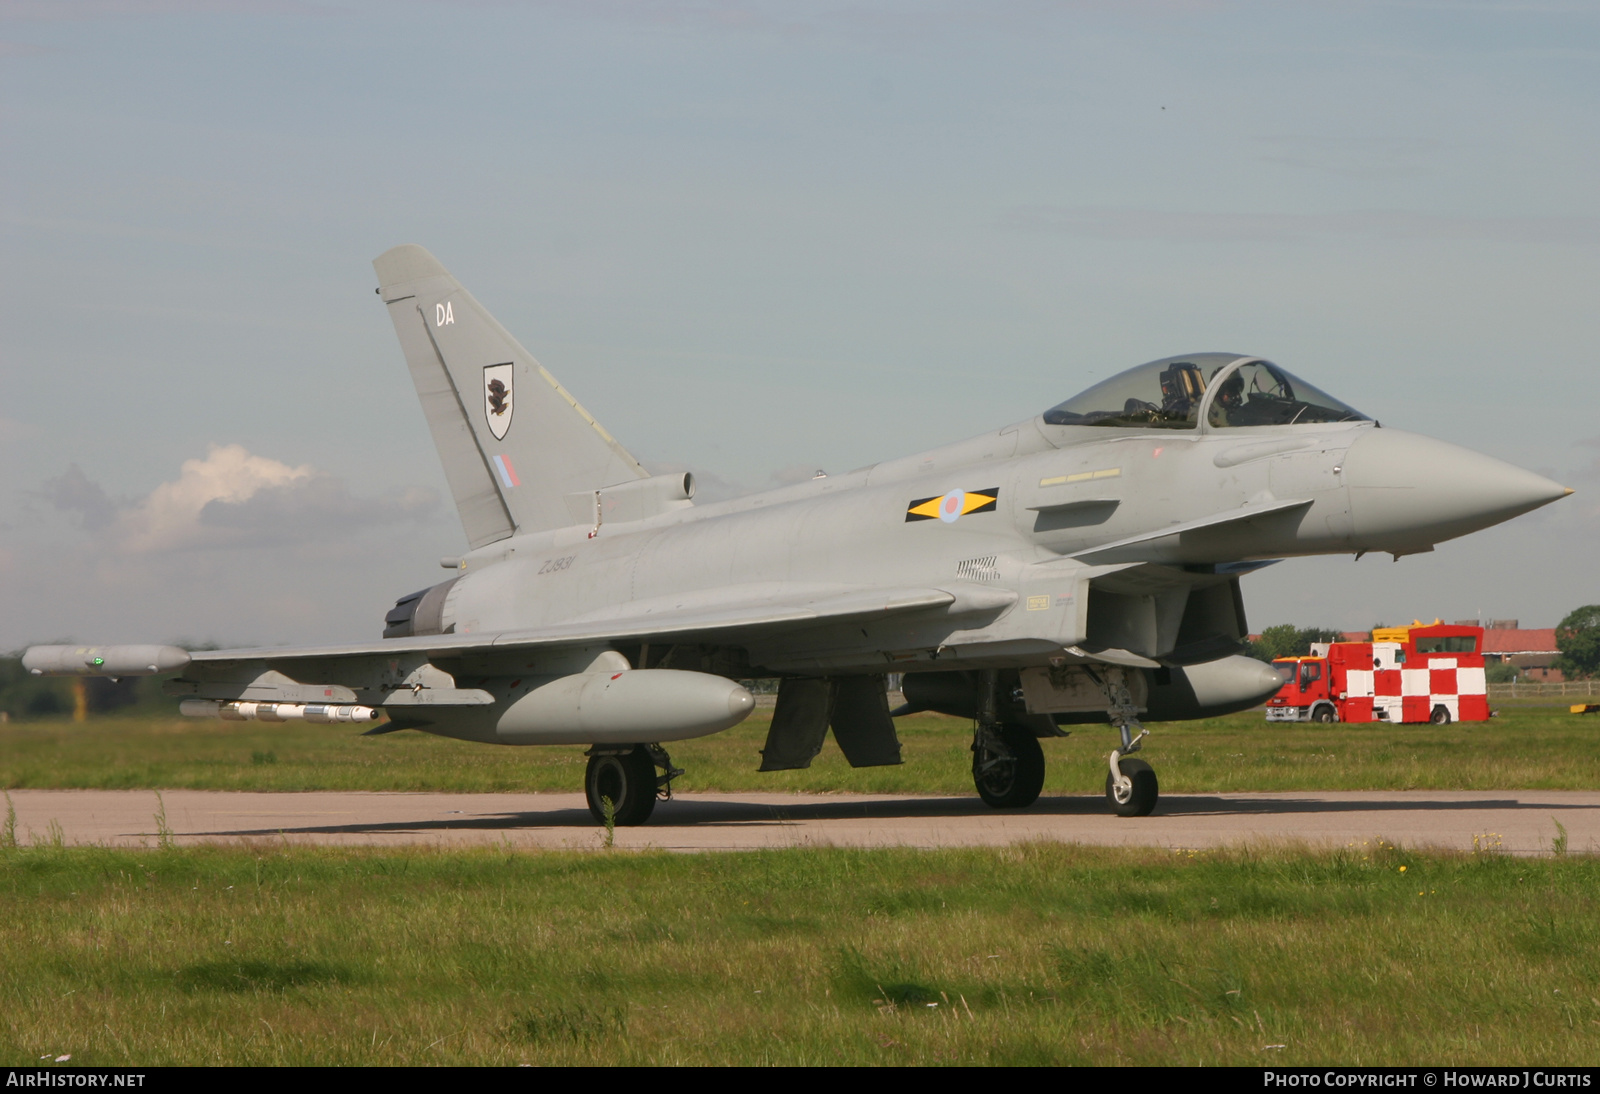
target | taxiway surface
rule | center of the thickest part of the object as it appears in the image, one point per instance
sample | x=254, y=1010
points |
x=1520, y=822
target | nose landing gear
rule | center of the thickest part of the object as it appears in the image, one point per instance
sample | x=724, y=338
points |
x=1131, y=785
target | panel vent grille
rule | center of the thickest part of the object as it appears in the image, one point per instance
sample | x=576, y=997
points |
x=986, y=568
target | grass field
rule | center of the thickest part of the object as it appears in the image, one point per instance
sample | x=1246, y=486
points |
x=1042, y=953
x=1032, y=954
x=1526, y=747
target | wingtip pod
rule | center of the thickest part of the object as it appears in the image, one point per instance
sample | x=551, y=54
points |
x=104, y=660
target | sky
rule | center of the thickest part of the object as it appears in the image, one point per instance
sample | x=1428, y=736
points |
x=756, y=240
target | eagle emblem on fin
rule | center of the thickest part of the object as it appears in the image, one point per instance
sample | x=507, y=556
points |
x=497, y=398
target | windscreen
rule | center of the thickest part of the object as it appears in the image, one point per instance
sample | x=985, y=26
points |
x=1261, y=393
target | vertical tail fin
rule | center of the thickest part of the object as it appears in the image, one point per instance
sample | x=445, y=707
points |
x=512, y=441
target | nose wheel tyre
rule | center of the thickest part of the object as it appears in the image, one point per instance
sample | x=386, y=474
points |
x=1137, y=797
x=1012, y=774
x=1440, y=716
x=628, y=779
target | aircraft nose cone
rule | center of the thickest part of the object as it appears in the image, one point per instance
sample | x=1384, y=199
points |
x=1408, y=492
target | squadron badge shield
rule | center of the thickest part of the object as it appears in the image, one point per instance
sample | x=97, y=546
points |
x=497, y=398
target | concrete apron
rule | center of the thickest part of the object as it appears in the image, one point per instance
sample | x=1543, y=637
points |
x=1519, y=822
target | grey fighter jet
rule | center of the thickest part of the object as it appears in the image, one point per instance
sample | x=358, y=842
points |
x=1080, y=566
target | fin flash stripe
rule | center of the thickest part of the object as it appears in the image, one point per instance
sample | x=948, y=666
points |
x=954, y=505
x=507, y=473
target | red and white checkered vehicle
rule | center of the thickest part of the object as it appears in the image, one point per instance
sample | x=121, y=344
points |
x=1422, y=673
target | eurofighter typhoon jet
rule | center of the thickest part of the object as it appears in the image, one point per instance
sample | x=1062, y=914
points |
x=1080, y=566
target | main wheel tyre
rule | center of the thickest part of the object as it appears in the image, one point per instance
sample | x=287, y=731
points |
x=1138, y=798
x=629, y=780
x=1010, y=782
x=1323, y=715
x=1440, y=716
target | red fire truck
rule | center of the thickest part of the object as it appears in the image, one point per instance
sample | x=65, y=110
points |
x=1427, y=672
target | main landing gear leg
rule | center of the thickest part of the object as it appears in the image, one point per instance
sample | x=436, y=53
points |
x=1007, y=762
x=659, y=757
x=1131, y=785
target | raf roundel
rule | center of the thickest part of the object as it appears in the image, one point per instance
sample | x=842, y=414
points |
x=950, y=507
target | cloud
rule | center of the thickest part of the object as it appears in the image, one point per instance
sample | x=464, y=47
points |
x=1156, y=224
x=74, y=493
x=304, y=504
x=170, y=517
x=231, y=499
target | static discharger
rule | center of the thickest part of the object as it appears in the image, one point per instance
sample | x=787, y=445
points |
x=321, y=713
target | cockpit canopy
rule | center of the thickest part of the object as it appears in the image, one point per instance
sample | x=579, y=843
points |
x=1229, y=389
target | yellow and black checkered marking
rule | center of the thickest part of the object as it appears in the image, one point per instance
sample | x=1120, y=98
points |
x=957, y=503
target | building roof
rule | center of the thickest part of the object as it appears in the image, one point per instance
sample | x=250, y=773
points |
x=1500, y=641
x=1507, y=642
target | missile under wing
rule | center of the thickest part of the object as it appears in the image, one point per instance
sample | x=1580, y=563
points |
x=1082, y=565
